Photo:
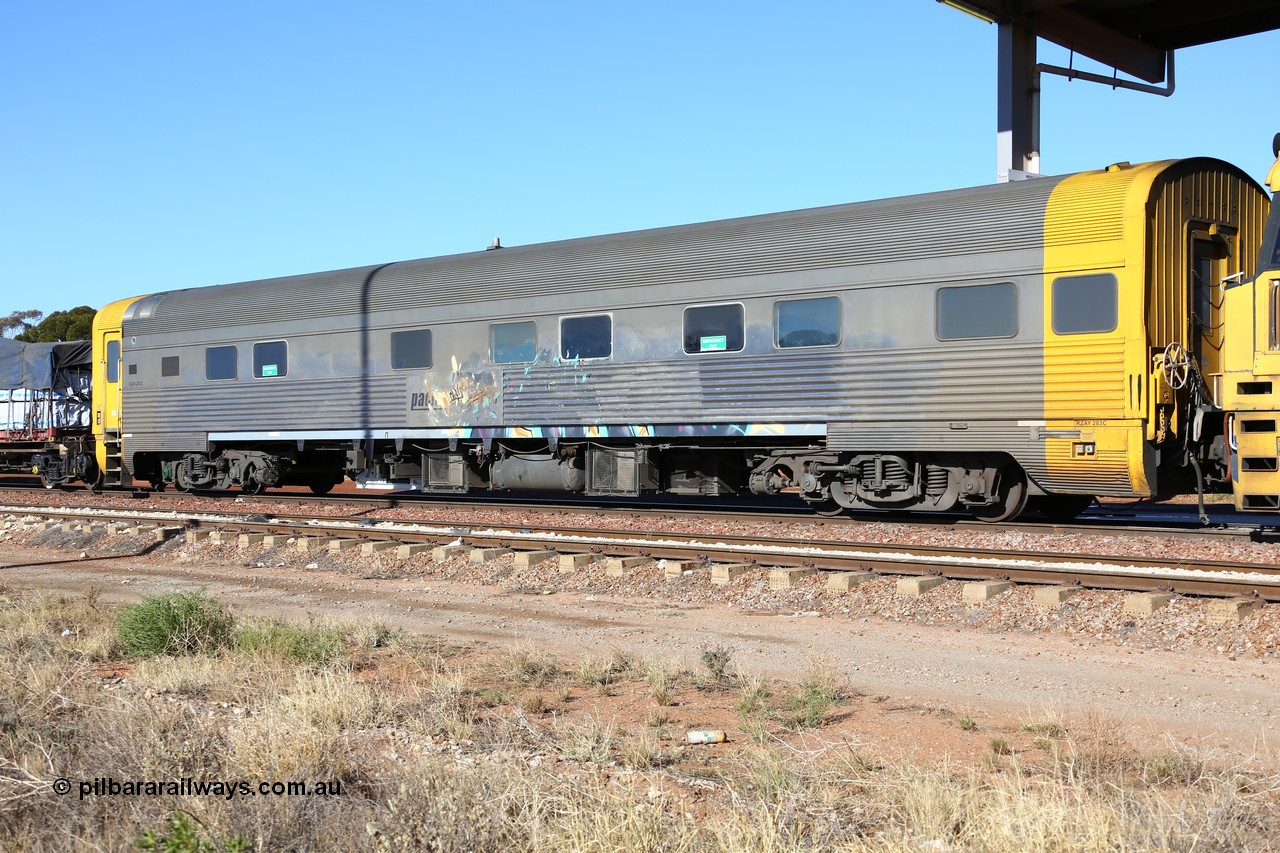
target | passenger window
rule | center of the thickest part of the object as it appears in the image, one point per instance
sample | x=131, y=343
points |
x=807, y=322
x=270, y=359
x=586, y=337
x=713, y=328
x=1085, y=303
x=411, y=349
x=513, y=343
x=1275, y=315
x=220, y=363
x=113, y=361
x=977, y=311
x=168, y=365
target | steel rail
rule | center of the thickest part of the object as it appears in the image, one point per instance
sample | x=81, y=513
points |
x=1193, y=577
x=763, y=511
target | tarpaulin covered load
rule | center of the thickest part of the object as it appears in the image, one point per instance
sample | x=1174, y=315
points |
x=35, y=367
x=43, y=386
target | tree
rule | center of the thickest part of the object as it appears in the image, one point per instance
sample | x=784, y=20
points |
x=23, y=321
x=73, y=325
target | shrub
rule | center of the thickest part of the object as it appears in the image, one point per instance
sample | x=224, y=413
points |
x=716, y=659
x=530, y=668
x=181, y=623
x=316, y=644
x=182, y=836
x=811, y=705
x=1000, y=746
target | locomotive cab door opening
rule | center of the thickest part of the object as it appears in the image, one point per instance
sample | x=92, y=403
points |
x=1212, y=248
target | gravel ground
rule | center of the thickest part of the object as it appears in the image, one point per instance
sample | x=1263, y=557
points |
x=1175, y=671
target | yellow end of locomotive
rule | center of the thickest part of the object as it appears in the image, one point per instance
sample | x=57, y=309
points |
x=1251, y=391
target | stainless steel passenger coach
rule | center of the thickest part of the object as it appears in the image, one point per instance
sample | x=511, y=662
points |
x=1052, y=339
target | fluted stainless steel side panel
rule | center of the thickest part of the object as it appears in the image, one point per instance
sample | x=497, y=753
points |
x=994, y=381
x=950, y=226
x=175, y=442
x=159, y=418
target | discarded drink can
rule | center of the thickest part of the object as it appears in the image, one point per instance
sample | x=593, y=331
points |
x=707, y=736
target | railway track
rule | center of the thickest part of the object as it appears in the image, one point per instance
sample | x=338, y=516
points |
x=1192, y=577
x=1174, y=521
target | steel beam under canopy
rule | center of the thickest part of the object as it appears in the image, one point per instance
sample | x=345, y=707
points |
x=1137, y=37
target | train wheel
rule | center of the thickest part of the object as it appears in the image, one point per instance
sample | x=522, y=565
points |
x=248, y=485
x=321, y=488
x=1060, y=507
x=180, y=481
x=1012, y=497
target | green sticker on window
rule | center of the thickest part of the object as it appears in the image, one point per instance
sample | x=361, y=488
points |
x=714, y=343
x=270, y=370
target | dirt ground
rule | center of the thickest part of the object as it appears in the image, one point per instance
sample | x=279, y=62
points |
x=908, y=682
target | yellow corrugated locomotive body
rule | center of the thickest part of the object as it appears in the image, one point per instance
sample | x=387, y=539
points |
x=1050, y=340
x=1251, y=372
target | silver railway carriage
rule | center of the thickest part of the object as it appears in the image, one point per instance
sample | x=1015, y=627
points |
x=963, y=349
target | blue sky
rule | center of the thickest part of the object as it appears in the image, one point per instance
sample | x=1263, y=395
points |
x=150, y=146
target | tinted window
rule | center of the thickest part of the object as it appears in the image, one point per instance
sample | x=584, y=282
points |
x=411, y=349
x=1085, y=303
x=511, y=343
x=1275, y=316
x=713, y=328
x=586, y=337
x=113, y=361
x=270, y=358
x=220, y=363
x=168, y=365
x=807, y=322
x=978, y=311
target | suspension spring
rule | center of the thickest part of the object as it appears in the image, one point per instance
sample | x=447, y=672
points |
x=936, y=480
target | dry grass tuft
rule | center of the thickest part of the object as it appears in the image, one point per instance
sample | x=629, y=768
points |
x=437, y=757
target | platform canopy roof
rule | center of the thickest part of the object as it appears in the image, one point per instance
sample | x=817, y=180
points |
x=1132, y=36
